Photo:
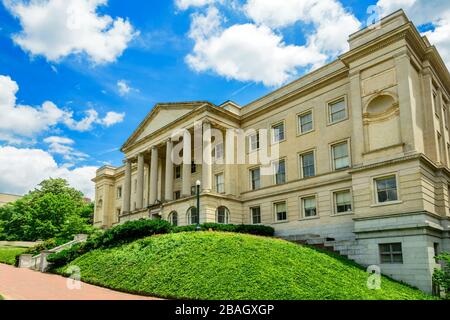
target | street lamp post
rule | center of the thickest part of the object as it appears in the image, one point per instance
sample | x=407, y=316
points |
x=198, y=228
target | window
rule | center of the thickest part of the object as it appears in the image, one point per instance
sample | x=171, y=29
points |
x=119, y=192
x=220, y=183
x=255, y=178
x=280, y=211
x=307, y=165
x=177, y=195
x=278, y=132
x=256, y=215
x=218, y=151
x=223, y=215
x=173, y=218
x=341, y=159
x=135, y=186
x=305, y=122
x=343, y=201
x=309, y=207
x=386, y=189
x=436, y=251
x=337, y=111
x=254, y=142
x=280, y=172
x=118, y=212
x=177, y=172
x=192, y=216
x=391, y=253
x=193, y=167
x=193, y=190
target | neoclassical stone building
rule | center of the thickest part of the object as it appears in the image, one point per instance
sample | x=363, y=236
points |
x=363, y=163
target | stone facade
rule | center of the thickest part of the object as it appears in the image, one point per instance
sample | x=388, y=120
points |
x=366, y=151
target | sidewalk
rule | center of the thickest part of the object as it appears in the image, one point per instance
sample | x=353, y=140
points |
x=25, y=284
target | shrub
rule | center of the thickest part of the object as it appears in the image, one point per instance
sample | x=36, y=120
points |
x=442, y=277
x=115, y=236
x=240, y=228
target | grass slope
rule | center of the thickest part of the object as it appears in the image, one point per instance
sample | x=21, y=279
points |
x=8, y=254
x=228, y=266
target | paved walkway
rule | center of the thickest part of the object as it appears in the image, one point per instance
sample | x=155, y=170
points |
x=25, y=284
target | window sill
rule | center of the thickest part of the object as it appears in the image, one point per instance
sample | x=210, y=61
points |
x=391, y=203
x=343, y=214
x=300, y=134
x=309, y=218
x=281, y=222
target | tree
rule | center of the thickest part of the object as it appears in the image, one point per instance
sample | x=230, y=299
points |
x=54, y=209
x=442, y=276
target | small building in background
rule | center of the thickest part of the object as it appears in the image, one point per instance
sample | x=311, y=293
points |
x=8, y=198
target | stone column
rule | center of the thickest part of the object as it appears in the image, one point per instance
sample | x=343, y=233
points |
x=140, y=182
x=169, y=172
x=207, y=158
x=154, y=176
x=358, y=146
x=187, y=162
x=406, y=101
x=127, y=188
x=431, y=143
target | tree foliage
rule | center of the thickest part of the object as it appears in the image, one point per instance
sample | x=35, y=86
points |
x=53, y=210
x=442, y=277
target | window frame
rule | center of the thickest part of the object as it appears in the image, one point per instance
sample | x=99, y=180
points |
x=227, y=215
x=329, y=114
x=177, y=195
x=189, y=216
x=178, y=167
x=391, y=252
x=275, y=173
x=119, y=192
x=375, y=189
x=258, y=142
x=334, y=201
x=275, y=212
x=251, y=215
x=349, y=154
x=272, y=131
x=302, y=207
x=299, y=126
x=170, y=218
x=251, y=178
x=216, y=184
x=300, y=156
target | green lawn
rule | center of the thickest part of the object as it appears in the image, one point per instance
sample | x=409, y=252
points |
x=210, y=265
x=8, y=254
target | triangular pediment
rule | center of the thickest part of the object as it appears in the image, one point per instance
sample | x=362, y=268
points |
x=161, y=116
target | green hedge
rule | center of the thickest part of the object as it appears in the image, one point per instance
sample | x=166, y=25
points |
x=133, y=230
x=115, y=236
x=236, y=228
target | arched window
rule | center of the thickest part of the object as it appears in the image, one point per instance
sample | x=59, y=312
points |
x=192, y=216
x=223, y=215
x=173, y=218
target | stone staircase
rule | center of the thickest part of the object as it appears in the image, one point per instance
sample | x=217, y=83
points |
x=348, y=248
x=39, y=262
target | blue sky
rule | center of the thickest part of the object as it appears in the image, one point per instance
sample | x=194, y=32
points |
x=163, y=51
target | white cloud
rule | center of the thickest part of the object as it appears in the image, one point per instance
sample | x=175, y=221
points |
x=436, y=12
x=58, y=28
x=63, y=146
x=112, y=118
x=185, y=4
x=238, y=52
x=21, y=170
x=326, y=17
x=123, y=87
x=20, y=121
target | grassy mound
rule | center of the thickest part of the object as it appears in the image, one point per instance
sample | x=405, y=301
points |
x=8, y=254
x=213, y=265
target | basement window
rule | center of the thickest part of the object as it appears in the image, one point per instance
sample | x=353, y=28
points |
x=391, y=253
